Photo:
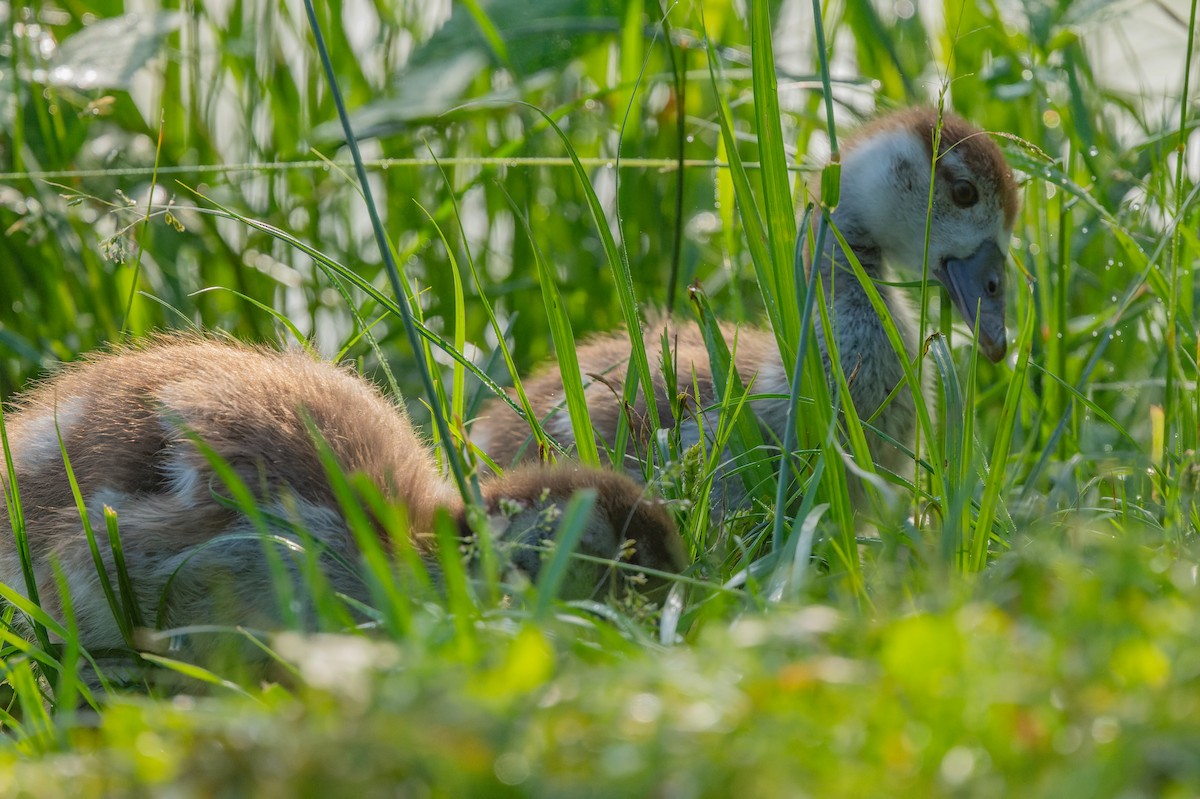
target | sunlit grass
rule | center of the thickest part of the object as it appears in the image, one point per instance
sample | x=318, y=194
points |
x=799, y=653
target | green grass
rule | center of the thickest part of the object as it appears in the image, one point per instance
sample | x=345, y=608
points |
x=1025, y=621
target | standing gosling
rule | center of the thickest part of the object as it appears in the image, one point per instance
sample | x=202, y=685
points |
x=882, y=215
x=129, y=421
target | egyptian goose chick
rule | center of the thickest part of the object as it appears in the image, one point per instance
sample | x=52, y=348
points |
x=882, y=215
x=129, y=421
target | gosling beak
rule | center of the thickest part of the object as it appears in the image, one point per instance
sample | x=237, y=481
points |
x=976, y=284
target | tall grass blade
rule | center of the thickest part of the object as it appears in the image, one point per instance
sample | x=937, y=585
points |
x=539, y=435
x=393, y=272
x=565, y=353
x=193, y=672
x=955, y=454
x=566, y=541
x=746, y=439
x=924, y=423
x=121, y=614
x=464, y=609
x=618, y=264
x=1006, y=426
x=780, y=218
x=16, y=520
x=780, y=309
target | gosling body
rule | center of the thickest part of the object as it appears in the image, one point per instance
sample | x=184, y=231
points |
x=885, y=201
x=130, y=422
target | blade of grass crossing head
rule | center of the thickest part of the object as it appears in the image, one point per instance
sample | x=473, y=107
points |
x=808, y=377
x=566, y=539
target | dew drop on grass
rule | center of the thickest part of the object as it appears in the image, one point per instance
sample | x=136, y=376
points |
x=1093, y=151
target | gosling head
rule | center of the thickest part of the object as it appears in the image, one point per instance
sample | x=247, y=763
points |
x=885, y=197
x=525, y=507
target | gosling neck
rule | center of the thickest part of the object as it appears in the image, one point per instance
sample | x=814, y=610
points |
x=844, y=294
x=837, y=275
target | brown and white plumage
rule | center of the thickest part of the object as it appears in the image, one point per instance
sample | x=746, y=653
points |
x=129, y=421
x=882, y=215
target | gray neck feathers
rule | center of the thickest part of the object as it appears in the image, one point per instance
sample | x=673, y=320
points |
x=844, y=292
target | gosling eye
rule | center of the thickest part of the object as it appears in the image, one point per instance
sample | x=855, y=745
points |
x=964, y=193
